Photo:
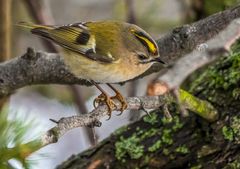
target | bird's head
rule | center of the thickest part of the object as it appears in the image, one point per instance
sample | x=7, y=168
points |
x=146, y=48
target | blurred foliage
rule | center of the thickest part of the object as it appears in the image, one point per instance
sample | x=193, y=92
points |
x=194, y=10
x=62, y=93
x=58, y=92
x=147, y=14
x=13, y=132
x=214, y=6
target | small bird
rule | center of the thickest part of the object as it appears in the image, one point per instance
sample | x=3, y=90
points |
x=102, y=52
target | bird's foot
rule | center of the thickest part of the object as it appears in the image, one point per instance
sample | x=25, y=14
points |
x=104, y=98
x=120, y=98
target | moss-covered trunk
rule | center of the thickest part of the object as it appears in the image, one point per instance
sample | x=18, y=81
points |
x=191, y=142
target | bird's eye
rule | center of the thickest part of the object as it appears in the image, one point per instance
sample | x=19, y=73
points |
x=142, y=56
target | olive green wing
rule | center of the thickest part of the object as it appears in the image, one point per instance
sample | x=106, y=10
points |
x=74, y=37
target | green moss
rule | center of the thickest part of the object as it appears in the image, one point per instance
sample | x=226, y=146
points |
x=166, y=152
x=199, y=166
x=235, y=125
x=121, y=130
x=233, y=165
x=172, y=157
x=156, y=146
x=224, y=78
x=232, y=133
x=146, y=159
x=146, y=134
x=166, y=120
x=224, y=75
x=129, y=146
x=167, y=137
x=153, y=119
x=227, y=133
x=177, y=124
x=207, y=150
x=200, y=107
x=182, y=149
x=236, y=93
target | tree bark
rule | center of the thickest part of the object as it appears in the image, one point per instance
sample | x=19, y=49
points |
x=189, y=142
x=184, y=142
x=44, y=68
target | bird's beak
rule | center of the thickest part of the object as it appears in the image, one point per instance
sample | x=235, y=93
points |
x=154, y=60
x=157, y=60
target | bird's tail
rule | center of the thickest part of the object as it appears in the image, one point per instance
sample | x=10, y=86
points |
x=41, y=30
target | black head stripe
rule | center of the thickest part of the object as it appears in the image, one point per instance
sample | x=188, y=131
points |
x=147, y=42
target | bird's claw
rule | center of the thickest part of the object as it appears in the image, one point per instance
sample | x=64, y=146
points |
x=104, y=98
x=98, y=100
x=123, y=102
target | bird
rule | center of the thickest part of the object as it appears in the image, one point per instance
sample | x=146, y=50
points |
x=102, y=52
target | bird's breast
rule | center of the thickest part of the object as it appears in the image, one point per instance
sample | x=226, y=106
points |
x=103, y=72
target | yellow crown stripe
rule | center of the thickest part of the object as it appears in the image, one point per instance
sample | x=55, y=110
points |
x=151, y=45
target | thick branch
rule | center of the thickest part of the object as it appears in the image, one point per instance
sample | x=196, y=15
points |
x=185, y=39
x=45, y=68
x=34, y=68
x=217, y=47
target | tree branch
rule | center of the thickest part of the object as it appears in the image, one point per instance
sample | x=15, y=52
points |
x=35, y=68
x=186, y=38
x=200, y=107
x=217, y=47
x=67, y=123
x=44, y=68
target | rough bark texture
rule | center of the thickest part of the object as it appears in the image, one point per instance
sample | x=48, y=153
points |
x=184, y=39
x=191, y=142
x=43, y=68
x=34, y=68
x=154, y=142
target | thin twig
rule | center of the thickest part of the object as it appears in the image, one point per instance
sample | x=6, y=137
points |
x=82, y=109
x=65, y=124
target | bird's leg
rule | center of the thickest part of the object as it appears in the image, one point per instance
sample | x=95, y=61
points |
x=104, y=97
x=119, y=97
